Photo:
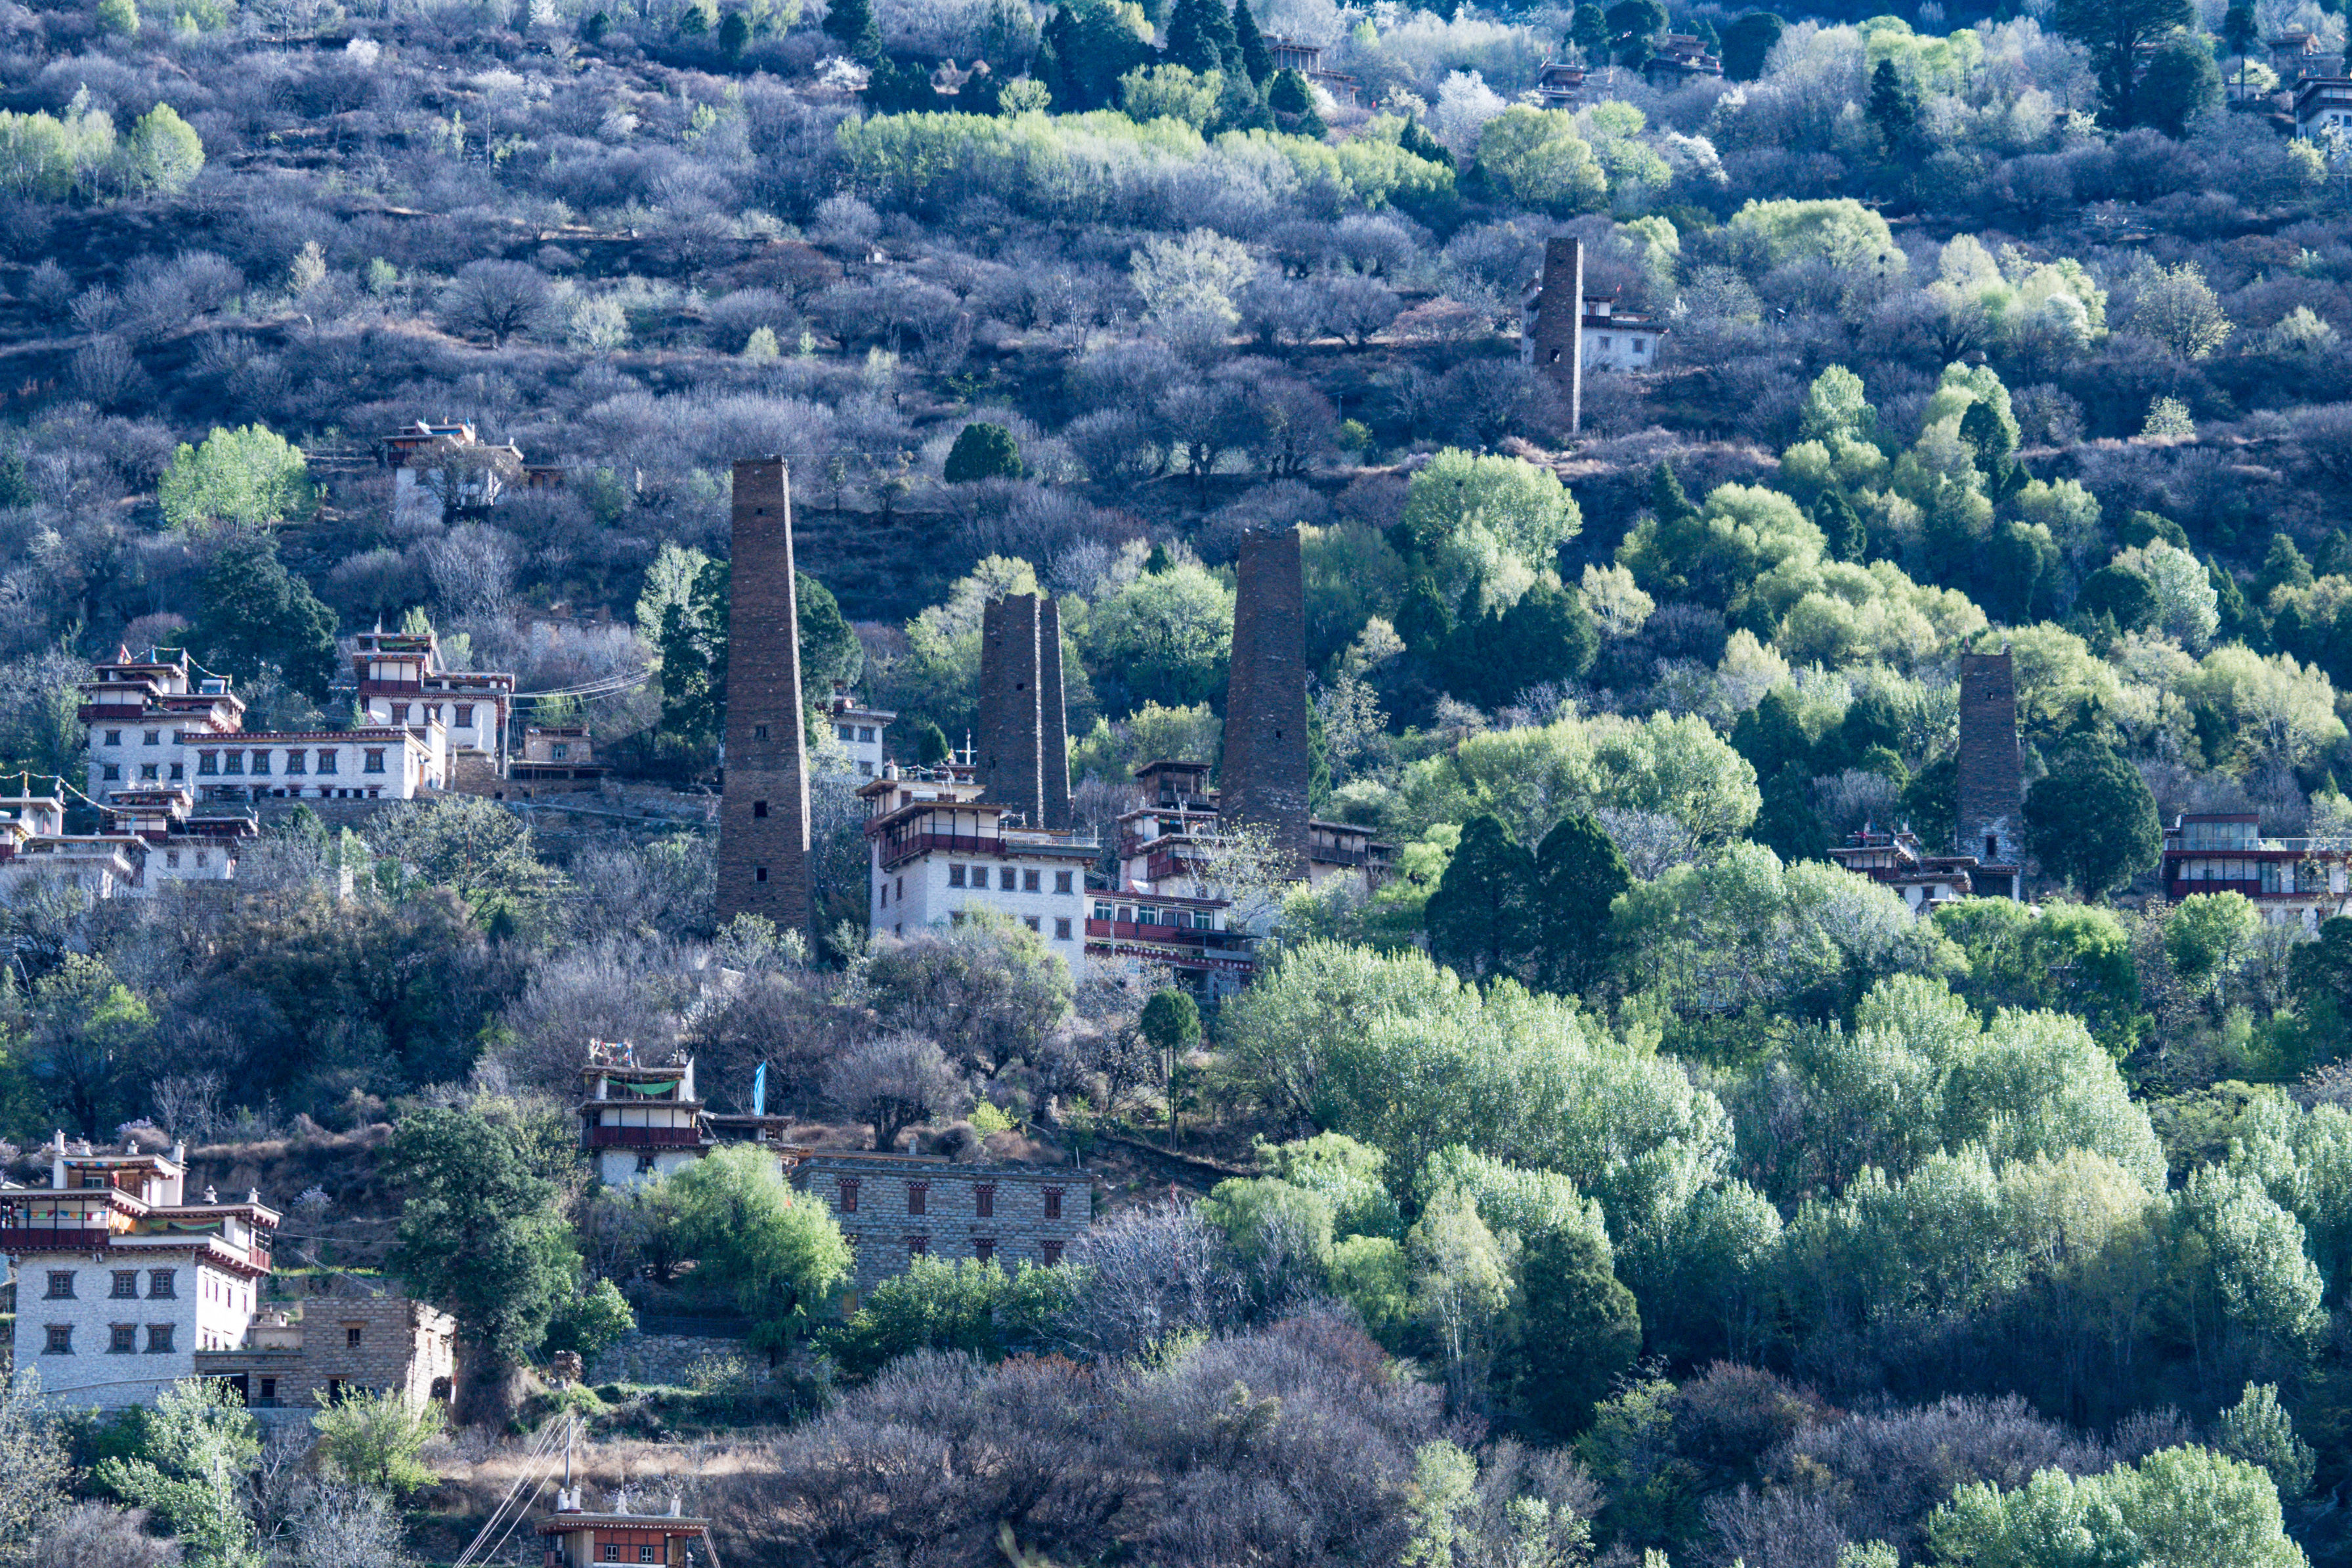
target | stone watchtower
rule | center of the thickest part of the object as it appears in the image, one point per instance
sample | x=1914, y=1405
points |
x=1266, y=766
x=1023, y=760
x=763, y=836
x=1991, y=789
x=1555, y=335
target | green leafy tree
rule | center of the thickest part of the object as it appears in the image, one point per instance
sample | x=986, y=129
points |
x=1200, y=36
x=259, y=616
x=1894, y=108
x=1747, y=42
x=1165, y=637
x=734, y=35
x=1548, y=635
x=200, y=1444
x=1578, y=871
x=2181, y=82
x=1291, y=100
x=162, y=154
x=84, y=1033
x=374, y=1436
x=2284, y=566
x=968, y=1305
x=1633, y=27
x=1256, y=59
x=1462, y=1286
x=1534, y=158
x=783, y=1256
x=2121, y=595
x=983, y=452
x=1588, y=29
x=2208, y=934
x=1494, y=523
x=1481, y=919
x=482, y=1236
x=2118, y=33
x=2184, y=1505
x=2257, y=1430
x=851, y=25
x=474, y=847
x=593, y=1320
x=2242, y=29
x=2091, y=820
x=1170, y=1025
x=34, y=1462
x=250, y=478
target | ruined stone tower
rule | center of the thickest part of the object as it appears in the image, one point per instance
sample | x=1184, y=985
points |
x=1554, y=333
x=1267, y=764
x=1992, y=791
x=1023, y=751
x=763, y=836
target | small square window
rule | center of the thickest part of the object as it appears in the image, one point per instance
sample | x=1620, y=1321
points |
x=152, y=737
x=60, y=1340
x=759, y=809
x=162, y=1284
x=150, y=771
x=159, y=1342
x=295, y=761
x=126, y=1283
x=111, y=772
x=760, y=873
x=1004, y=880
x=847, y=731
x=1060, y=929
x=648, y=1554
x=261, y=762
x=1062, y=882
x=234, y=762
x=1052, y=1250
x=375, y=763
x=1031, y=921
x=918, y=1195
x=759, y=732
x=848, y=1204
x=352, y=1336
x=983, y=1248
x=984, y=1200
x=1053, y=1202
x=329, y=761
x=1031, y=881
x=122, y=1339
x=866, y=734
x=113, y=737
x=955, y=876
x=917, y=1245
x=179, y=770
x=612, y=1552
x=61, y=1285
x=465, y=716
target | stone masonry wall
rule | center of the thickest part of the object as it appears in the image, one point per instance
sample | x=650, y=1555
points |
x=1267, y=766
x=763, y=842
x=1053, y=721
x=1559, y=323
x=883, y=1232
x=1009, y=763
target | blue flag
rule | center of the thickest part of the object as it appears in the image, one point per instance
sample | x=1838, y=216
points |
x=759, y=1091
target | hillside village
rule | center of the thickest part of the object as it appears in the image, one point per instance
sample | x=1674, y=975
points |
x=1195, y=782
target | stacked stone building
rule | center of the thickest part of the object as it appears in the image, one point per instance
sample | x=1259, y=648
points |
x=1991, y=780
x=763, y=813
x=1023, y=754
x=1267, y=767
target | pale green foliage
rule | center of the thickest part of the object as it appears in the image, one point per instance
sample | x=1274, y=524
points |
x=2187, y=608
x=2281, y=713
x=1742, y=930
x=1836, y=405
x=42, y=155
x=250, y=478
x=1165, y=635
x=1346, y=1174
x=2181, y=1506
x=1462, y=1284
x=2248, y=1269
x=373, y=1437
x=1171, y=92
x=200, y=1442
x=1841, y=232
x=2258, y=1430
x=783, y=1255
x=760, y=349
x=162, y=154
x=1877, y=1554
x=1498, y=522
x=599, y=325
x=2068, y=511
x=2179, y=309
x=2208, y=934
x=1192, y=275
x=1444, y=1490
x=1620, y=607
x=34, y=1465
x=1677, y=767
x=2169, y=420
x=1536, y=159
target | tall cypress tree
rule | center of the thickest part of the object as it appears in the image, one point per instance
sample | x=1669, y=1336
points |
x=851, y=24
x=1578, y=872
x=1480, y=918
x=1256, y=59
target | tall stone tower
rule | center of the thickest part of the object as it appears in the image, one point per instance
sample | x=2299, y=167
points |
x=1991, y=782
x=763, y=834
x=1023, y=758
x=1266, y=765
x=1555, y=338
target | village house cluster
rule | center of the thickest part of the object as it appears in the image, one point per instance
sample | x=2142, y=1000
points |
x=126, y=1285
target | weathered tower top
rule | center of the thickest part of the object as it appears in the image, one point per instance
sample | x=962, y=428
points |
x=1556, y=337
x=1023, y=752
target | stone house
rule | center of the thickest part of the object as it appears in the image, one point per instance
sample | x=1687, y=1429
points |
x=334, y=1334
x=895, y=1208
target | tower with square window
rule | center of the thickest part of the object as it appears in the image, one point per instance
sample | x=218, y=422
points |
x=763, y=841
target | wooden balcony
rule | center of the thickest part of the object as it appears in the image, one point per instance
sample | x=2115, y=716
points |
x=642, y=1137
